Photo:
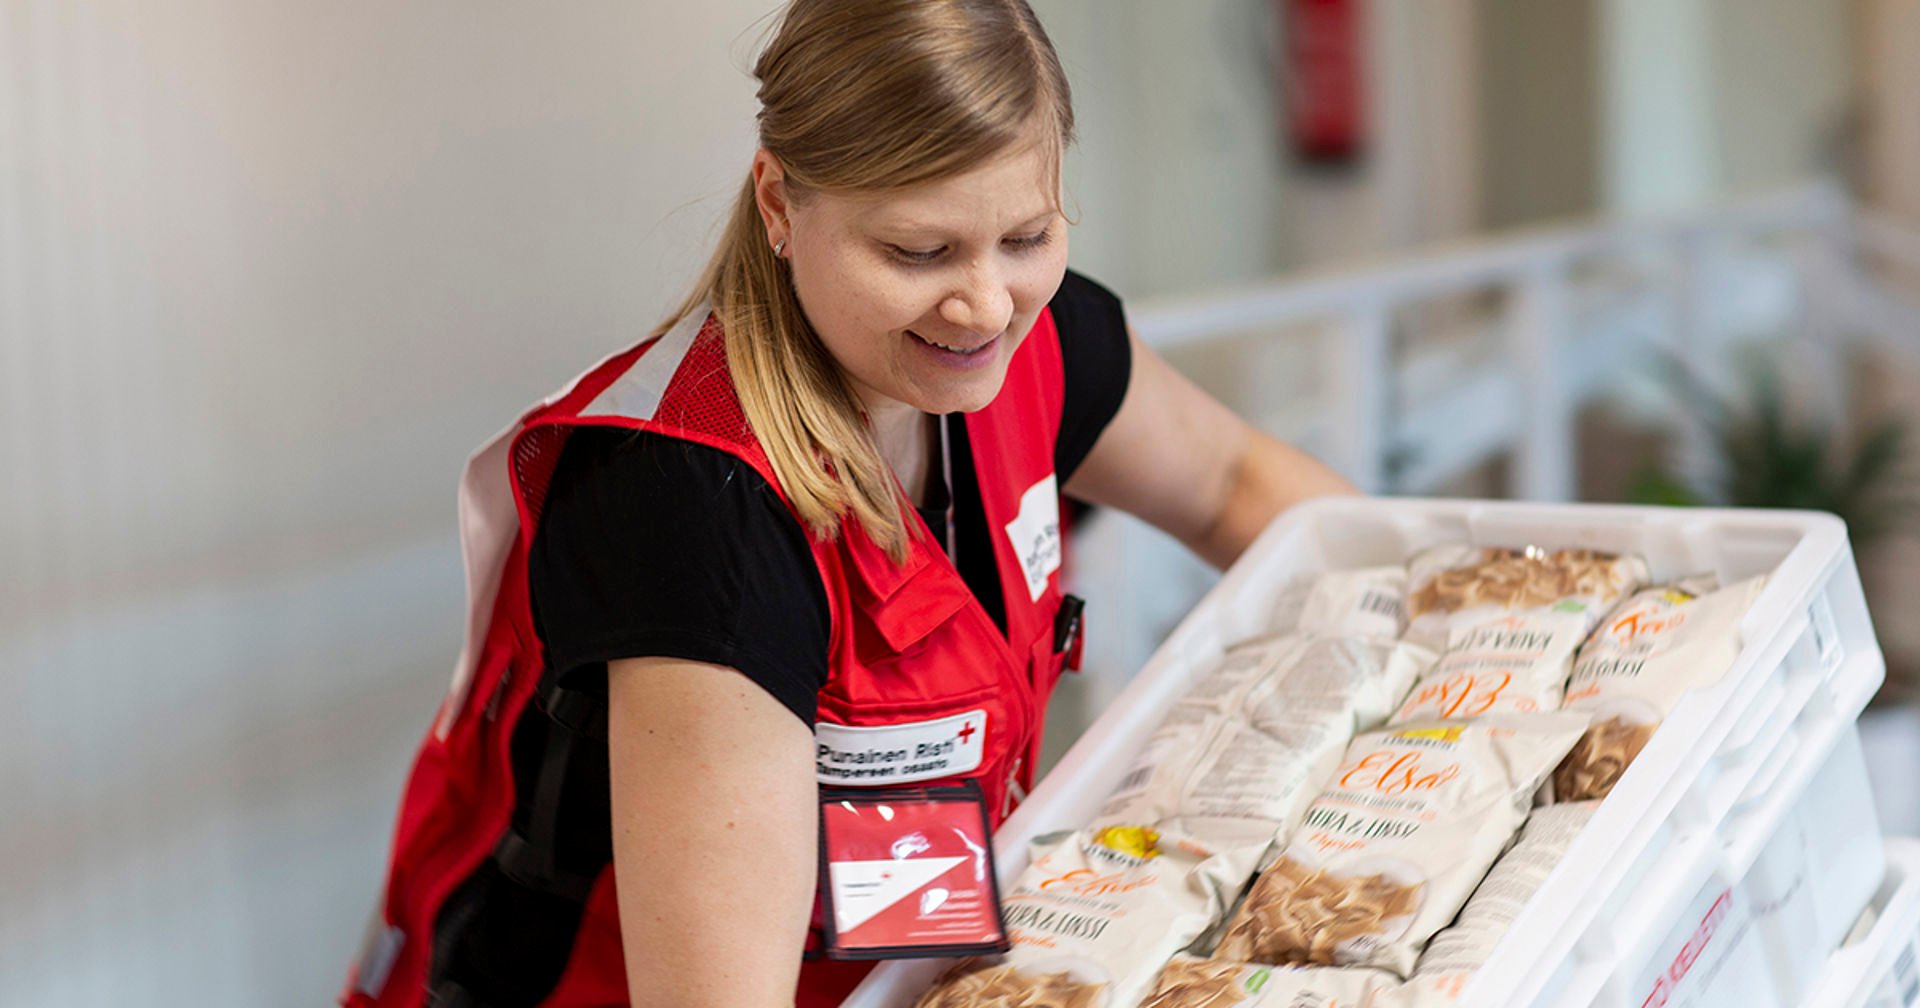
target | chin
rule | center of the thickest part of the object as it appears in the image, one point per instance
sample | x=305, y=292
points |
x=971, y=397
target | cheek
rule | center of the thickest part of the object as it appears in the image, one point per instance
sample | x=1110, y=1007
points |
x=1035, y=286
x=877, y=296
x=845, y=297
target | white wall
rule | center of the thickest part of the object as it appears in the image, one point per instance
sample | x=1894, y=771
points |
x=1539, y=93
x=1418, y=180
x=1888, y=37
x=1177, y=178
x=267, y=272
x=1783, y=84
x=266, y=259
x=1657, y=147
x=1701, y=98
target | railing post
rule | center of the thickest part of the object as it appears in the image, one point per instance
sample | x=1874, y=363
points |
x=1691, y=341
x=1359, y=363
x=1536, y=333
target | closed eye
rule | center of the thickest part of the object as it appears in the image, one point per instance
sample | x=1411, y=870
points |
x=915, y=257
x=926, y=257
x=1032, y=241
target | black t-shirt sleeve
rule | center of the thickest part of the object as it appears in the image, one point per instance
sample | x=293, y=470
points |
x=651, y=546
x=1098, y=361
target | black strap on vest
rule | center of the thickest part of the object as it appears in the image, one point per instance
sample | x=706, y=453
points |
x=532, y=859
x=575, y=710
x=503, y=937
x=449, y=994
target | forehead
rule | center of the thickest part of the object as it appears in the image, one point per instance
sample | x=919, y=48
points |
x=1013, y=188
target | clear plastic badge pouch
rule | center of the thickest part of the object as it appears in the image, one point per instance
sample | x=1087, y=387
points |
x=908, y=872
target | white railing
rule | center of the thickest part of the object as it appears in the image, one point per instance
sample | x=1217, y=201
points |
x=1536, y=277
x=1550, y=319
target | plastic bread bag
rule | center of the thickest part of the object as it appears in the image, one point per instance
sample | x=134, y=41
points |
x=974, y=984
x=1241, y=754
x=1189, y=982
x=1151, y=788
x=1634, y=668
x=1365, y=602
x=1258, y=773
x=1254, y=779
x=1095, y=916
x=1370, y=674
x=1513, y=663
x=1458, y=952
x=1454, y=585
x=1391, y=849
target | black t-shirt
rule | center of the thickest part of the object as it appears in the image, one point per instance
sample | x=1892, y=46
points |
x=654, y=546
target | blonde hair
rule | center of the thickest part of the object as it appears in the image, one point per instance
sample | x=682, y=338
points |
x=862, y=96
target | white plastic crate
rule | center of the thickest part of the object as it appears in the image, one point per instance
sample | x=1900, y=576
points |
x=1701, y=802
x=1881, y=969
x=1822, y=864
x=1765, y=940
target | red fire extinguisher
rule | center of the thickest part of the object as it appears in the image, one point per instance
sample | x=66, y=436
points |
x=1322, y=79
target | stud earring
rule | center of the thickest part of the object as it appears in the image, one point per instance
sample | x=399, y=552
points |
x=779, y=248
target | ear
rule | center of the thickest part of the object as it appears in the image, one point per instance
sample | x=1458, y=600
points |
x=770, y=192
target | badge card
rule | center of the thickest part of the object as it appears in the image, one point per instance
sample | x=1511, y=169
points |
x=908, y=872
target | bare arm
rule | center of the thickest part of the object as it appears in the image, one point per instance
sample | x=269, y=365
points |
x=714, y=815
x=1178, y=459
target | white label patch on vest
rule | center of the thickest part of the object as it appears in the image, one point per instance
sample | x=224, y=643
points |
x=899, y=753
x=1035, y=534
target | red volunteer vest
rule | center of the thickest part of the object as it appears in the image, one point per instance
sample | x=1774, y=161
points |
x=914, y=660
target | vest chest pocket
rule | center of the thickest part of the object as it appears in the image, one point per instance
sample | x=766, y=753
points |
x=902, y=623
x=952, y=706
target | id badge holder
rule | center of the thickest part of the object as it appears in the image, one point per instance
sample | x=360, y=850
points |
x=908, y=872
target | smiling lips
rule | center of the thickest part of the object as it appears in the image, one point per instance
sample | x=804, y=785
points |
x=962, y=351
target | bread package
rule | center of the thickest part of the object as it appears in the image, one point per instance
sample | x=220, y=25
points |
x=1390, y=850
x=1095, y=916
x=1636, y=665
x=1459, y=951
x=1513, y=663
x=1190, y=982
x=1459, y=585
x=1362, y=602
x=1239, y=757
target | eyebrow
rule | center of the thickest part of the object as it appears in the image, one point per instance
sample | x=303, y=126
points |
x=924, y=227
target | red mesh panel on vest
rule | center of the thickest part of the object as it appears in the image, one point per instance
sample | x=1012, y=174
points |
x=535, y=454
x=701, y=399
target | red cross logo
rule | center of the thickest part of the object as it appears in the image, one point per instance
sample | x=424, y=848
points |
x=966, y=732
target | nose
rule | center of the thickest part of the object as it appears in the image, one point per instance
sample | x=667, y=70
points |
x=982, y=304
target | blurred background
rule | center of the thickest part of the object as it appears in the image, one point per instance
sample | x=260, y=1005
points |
x=268, y=271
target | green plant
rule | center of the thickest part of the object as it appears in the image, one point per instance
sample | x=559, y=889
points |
x=1766, y=457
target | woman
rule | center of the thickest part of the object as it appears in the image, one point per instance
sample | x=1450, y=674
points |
x=821, y=502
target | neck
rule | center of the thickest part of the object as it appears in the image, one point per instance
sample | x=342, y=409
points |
x=907, y=439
